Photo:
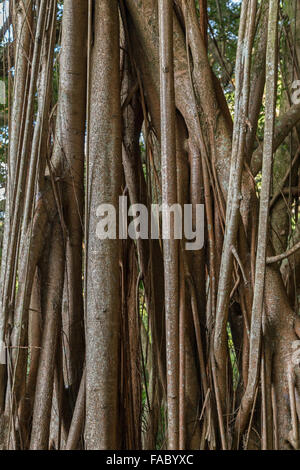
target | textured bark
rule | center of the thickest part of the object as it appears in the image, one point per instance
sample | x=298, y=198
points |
x=169, y=197
x=246, y=34
x=68, y=159
x=34, y=344
x=103, y=277
x=30, y=244
x=22, y=32
x=262, y=238
x=52, y=286
x=258, y=76
x=77, y=424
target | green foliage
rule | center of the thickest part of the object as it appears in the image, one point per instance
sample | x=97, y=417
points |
x=224, y=18
x=233, y=359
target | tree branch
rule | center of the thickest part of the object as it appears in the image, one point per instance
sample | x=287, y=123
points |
x=283, y=127
x=287, y=254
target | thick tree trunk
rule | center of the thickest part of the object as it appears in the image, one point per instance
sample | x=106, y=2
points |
x=169, y=197
x=68, y=159
x=103, y=271
x=52, y=288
